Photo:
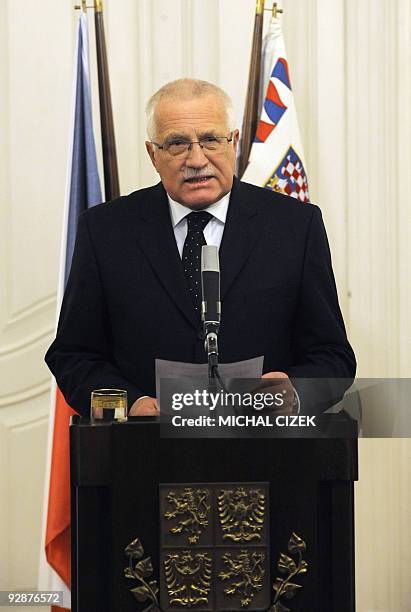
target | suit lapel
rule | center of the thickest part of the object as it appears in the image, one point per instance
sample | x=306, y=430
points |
x=240, y=235
x=156, y=238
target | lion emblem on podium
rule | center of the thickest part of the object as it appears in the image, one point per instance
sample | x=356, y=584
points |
x=246, y=573
x=192, y=509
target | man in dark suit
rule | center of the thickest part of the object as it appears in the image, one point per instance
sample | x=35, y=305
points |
x=132, y=294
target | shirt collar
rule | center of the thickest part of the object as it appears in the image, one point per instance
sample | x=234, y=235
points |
x=218, y=209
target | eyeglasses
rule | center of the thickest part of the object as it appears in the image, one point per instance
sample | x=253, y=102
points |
x=209, y=143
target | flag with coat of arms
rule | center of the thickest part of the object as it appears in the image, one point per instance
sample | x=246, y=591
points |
x=276, y=159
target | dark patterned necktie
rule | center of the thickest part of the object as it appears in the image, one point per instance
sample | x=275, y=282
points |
x=191, y=257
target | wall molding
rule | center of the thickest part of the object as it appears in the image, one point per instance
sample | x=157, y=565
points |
x=36, y=308
x=25, y=395
x=23, y=435
x=26, y=343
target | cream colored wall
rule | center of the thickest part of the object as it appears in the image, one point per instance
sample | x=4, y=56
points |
x=35, y=75
x=351, y=68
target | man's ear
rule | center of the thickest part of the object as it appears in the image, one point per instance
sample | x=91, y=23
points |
x=236, y=136
x=151, y=153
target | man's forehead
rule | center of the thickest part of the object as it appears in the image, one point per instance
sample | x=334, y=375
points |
x=201, y=114
x=187, y=132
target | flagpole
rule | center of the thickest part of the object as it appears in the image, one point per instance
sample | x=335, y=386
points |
x=251, y=106
x=111, y=180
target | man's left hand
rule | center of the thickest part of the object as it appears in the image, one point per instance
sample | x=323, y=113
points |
x=278, y=382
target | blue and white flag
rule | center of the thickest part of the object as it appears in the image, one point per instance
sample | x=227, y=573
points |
x=82, y=191
x=277, y=158
x=83, y=178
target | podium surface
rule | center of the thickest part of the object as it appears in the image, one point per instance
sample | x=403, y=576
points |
x=223, y=511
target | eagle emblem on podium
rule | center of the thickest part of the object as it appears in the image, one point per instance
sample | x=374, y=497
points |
x=241, y=513
x=188, y=578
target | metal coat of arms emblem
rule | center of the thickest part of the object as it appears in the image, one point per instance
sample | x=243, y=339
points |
x=214, y=541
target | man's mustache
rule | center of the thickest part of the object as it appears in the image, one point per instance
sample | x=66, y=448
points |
x=190, y=173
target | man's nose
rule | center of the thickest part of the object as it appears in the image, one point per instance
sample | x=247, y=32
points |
x=196, y=157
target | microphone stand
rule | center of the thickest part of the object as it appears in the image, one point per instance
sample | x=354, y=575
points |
x=211, y=348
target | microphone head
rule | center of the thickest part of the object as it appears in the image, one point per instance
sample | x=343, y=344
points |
x=209, y=259
x=210, y=287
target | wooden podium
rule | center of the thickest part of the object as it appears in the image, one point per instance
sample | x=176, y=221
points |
x=215, y=516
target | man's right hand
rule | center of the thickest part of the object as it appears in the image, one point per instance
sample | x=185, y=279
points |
x=145, y=406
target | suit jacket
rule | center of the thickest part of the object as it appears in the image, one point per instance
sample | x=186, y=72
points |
x=127, y=303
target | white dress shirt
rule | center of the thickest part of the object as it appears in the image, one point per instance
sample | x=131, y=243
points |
x=213, y=231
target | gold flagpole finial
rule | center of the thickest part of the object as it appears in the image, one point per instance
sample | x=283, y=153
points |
x=276, y=10
x=98, y=6
x=82, y=6
x=259, y=7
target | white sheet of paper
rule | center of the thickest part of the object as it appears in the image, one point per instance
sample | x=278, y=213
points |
x=250, y=368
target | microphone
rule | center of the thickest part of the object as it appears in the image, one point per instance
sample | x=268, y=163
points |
x=210, y=289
